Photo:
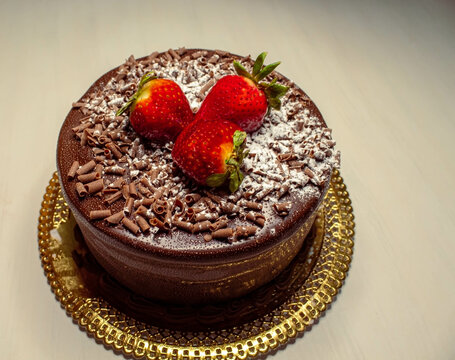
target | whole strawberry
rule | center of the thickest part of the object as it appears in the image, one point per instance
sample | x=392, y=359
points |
x=159, y=110
x=243, y=98
x=211, y=152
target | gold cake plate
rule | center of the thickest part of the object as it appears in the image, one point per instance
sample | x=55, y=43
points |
x=291, y=303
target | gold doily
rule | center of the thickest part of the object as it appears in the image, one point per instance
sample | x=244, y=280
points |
x=310, y=283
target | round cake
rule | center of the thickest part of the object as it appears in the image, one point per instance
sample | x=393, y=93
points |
x=160, y=233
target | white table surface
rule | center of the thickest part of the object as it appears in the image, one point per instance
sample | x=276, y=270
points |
x=381, y=72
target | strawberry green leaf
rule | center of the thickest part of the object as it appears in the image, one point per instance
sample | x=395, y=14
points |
x=234, y=180
x=266, y=71
x=145, y=79
x=240, y=70
x=275, y=103
x=238, y=138
x=216, y=180
x=258, y=63
x=276, y=90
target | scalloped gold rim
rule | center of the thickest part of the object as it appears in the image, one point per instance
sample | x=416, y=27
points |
x=335, y=218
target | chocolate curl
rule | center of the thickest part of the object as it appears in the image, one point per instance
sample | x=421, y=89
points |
x=263, y=193
x=99, y=169
x=117, y=184
x=126, y=191
x=296, y=164
x=210, y=204
x=143, y=190
x=85, y=178
x=113, y=198
x=201, y=226
x=251, y=205
x=72, y=171
x=259, y=219
x=160, y=207
x=99, y=214
x=282, y=208
x=158, y=223
x=114, y=149
x=205, y=216
x=222, y=233
x=190, y=213
x=213, y=197
x=107, y=153
x=207, y=237
x=142, y=224
x=282, y=191
x=94, y=186
x=141, y=210
x=167, y=217
x=307, y=171
x=286, y=156
x=115, y=170
x=221, y=223
x=140, y=165
x=84, y=136
x=249, y=193
x=82, y=126
x=144, y=181
x=148, y=202
x=178, y=204
x=81, y=190
x=184, y=225
x=133, y=191
x=100, y=158
x=191, y=198
x=84, y=169
x=153, y=174
x=245, y=231
x=115, y=218
x=129, y=205
x=229, y=208
x=130, y=225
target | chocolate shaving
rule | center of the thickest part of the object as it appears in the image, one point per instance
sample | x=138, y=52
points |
x=282, y=208
x=143, y=224
x=191, y=198
x=207, y=86
x=117, y=184
x=99, y=169
x=282, y=191
x=148, y=202
x=263, y=193
x=207, y=237
x=126, y=191
x=81, y=190
x=257, y=218
x=204, y=216
x=201, y=226
x=115, y=218
x=99, y=214
x=133, y=191
x=221, y=223
x=307, y=171
x=94, y=186
x=72, y=171
x=129, y=205
x=113, y=198
x=174, y=54
x=245, y=231
x=159, y=207
x=229, y=208
x=84, y=169
x=131, y=226
x=141, y=210
x=184, y=225
x=114, y=149
x=158, y=223
x=251, y=205
x=209, y=203
x=85, y=178
x=222, y=233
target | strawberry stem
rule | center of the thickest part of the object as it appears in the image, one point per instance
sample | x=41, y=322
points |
x=145, y=79
x=233, y=172
x=272, y=90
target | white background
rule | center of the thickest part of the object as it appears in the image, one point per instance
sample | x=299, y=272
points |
x=382, y=74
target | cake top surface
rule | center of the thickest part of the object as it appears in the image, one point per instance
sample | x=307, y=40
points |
x=132, y=190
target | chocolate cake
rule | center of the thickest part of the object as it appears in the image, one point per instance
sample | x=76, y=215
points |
x=161, y=234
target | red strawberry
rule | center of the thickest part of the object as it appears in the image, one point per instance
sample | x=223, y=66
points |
x=211, y=152
x=159, y=110
x=243, y=98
